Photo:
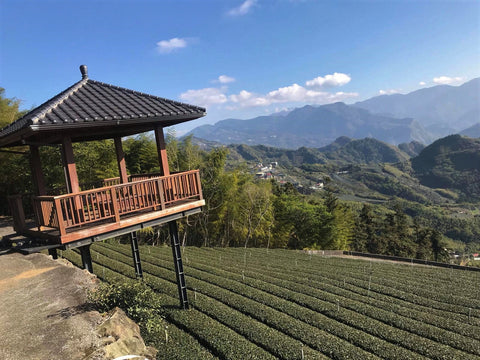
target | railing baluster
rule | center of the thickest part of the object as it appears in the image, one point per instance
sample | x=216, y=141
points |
x=61, y=223
x=116, y=210
x=161, y=193
x=199, y=186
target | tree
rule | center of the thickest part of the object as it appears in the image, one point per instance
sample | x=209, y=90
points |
x=365, y=230
x=342, y=229
x=256, y=212
x=9, y=109
x=15, y=175
x=141, y=154
x=397, y=234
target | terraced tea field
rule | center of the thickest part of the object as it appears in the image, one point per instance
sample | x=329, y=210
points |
x=280, y=304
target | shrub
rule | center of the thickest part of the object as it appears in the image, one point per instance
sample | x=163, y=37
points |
x=138, y=301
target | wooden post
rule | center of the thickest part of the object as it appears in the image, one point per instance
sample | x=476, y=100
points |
x=86, y=258
x=16, y=208
x=69, y=165
x=53, y=253
x=162, y=151
x=37, y=173
x=122, y=168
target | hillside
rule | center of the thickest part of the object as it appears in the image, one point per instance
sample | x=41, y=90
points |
x=311, y=126
x=441, y=109
x=412, y=148
x=446, y=171
x=342, y=151
x=279, y=304
x=452, y=162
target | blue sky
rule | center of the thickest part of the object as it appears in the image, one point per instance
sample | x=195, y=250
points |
x=242, y=58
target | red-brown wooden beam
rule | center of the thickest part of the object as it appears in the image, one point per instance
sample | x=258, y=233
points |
x=69, y=165
x=122, y=167
x=37, y=173
x=162, y=151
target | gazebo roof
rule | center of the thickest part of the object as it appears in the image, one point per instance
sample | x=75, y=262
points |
x=92, y=110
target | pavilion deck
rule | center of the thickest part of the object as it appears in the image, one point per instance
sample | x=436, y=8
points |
x=86, y=214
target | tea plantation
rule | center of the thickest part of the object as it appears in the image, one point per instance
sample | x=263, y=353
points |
x=281, y=304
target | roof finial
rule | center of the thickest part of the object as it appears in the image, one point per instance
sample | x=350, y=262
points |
x=84, y=71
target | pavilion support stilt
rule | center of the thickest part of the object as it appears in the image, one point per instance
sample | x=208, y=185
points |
x=177, y=259
x=53, y=253
x=86, y=258
x=162, y=151
x=69, y=166
x=137, y=264
x=122, y=168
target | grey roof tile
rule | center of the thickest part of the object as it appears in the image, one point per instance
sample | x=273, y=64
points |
x=89, y=101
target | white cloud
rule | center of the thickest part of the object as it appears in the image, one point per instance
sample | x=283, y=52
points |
x=167, y=46
x=242, y=9
x=224, y=79
x=291, y=95
x=388, y=92
x=205, y=97
x=422, y=83
x=329, y=81
x=288, y=94
x=445, y=80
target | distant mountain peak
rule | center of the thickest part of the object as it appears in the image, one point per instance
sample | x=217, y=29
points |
x=422, y=116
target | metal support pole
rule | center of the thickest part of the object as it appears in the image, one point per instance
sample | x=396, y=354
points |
x=177, y=259
x=137, y=264
x=86, y=258
x=53, y=253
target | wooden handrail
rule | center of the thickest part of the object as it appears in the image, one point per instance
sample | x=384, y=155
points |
x=111, y=202
x=53, y=197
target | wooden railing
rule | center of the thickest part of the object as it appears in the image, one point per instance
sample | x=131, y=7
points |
x=110, y=203
x=131, y=178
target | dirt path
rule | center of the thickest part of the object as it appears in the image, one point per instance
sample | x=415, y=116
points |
x=42, y=312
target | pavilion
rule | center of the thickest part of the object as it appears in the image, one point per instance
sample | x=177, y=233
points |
x=92, y=110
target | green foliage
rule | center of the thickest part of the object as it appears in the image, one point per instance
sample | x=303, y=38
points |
x=9, y=109
x=137, y=300
x=101, y=154
x=141, y=154
x=15, y=174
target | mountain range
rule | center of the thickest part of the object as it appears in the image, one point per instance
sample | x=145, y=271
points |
x=447, y=169
x=422, y=116
x=441, y=109
x=342, y=151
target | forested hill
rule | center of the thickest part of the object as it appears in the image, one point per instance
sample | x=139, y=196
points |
x=342, y=151
x=452, y=162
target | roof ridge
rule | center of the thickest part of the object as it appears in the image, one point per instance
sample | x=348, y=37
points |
x=56, y=100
